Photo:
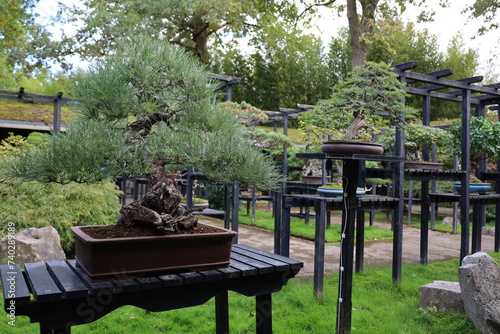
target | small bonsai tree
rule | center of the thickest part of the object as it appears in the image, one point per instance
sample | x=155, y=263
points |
x=417, y=139
x=484, y=141
x=147, y=106
x=369, y=98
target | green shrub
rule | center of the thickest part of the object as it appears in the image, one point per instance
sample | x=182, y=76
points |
x=34, y=204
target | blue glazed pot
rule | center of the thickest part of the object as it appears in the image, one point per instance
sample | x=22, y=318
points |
x=481, y=188
x=337, y=191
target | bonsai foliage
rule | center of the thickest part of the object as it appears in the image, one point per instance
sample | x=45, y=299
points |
x=245, y=111
x=484, y=139
x=148, y=105
x=417, y=139
x=370, y=97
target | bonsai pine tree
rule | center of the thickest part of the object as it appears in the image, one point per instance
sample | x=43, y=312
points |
x=368, y=98
x=147, y=106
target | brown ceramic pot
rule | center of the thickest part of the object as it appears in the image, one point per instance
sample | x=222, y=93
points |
x=339, y=147
x=104, y=258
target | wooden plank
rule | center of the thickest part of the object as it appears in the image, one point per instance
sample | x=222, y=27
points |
x=171, y=280
x=262, y=267
x=43, y=286
x=211, y=275
x=245, y=269
x=191, y=277
x=230, y=272
x=94, y=287
x=14, y=285
x=126, y=285
x=277, y=257
x=278, y=265
x=67, y=281
x=147, y=283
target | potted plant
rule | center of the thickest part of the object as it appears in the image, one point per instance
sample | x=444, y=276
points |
x=417, y=139
x=484, y=143
x=368, y=99
x=148, y=105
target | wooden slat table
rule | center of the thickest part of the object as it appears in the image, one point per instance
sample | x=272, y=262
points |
x=59, y=295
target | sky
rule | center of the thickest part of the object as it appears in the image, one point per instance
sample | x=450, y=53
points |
x=448, y=23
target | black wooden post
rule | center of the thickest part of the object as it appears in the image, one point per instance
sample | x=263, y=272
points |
x=424, y=222
x=285, y=231
x=264, y=312
x=57, y=112
x=235, y=209
x=397, y=250
x=477, y=211
x=360, y=240
x=351, y=170
x=319, y=247
x=189, y=187
x=221, y=313
x=227, y=207
x=464, y=191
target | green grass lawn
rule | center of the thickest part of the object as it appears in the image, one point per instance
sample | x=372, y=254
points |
x=379, y=306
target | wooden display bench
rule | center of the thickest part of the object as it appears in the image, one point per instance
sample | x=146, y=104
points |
x=59, y=295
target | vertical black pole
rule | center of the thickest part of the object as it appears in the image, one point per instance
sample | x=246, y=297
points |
x=284, y=243
x=351, y=177
x=464, y=192
x=424, y=223
x=236, y=208
x=264, y=314
x=221, y=313
x=397, y=245
x=227, y=207
x=189, y=187
x=319, y=247
x=57, y=112
x=360, y=240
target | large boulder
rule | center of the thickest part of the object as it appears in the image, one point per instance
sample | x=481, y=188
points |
x=32, y=245
x=479, y=278
x=443, y=295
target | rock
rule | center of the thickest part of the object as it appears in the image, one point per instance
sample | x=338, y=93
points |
x=32, y=245
x=488, y=230
x=443, y=295
x=449, y=221
x=480, y=284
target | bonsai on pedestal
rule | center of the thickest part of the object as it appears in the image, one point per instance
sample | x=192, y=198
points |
x=147, y=106
x=371, y=97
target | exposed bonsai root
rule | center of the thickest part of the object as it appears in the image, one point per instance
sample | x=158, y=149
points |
x=159, y=208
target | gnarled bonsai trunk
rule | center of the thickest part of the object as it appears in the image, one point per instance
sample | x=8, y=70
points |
x=160, y=207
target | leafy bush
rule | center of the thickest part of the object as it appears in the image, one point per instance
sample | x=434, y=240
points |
x=34, y=204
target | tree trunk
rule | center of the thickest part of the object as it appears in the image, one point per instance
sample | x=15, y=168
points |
x=160, y=207
x=360, y=31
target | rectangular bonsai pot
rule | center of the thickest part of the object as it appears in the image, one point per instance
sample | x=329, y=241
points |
x=104, y=258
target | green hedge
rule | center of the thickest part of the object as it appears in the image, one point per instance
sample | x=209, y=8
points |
x=34, y=204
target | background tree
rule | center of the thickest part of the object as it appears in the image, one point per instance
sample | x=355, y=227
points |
x=24, y=45
x=189, y=23
x=485, y=10
x=361, y=23
x=285, y=67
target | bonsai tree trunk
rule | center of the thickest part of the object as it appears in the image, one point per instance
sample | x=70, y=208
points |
x=358, y=123
x=160, y=207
